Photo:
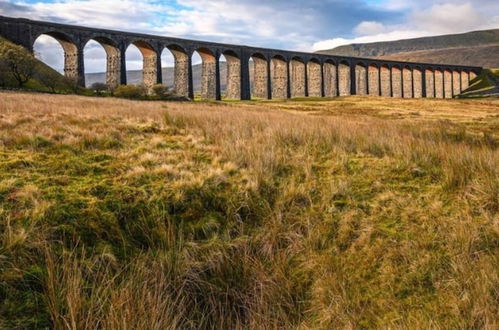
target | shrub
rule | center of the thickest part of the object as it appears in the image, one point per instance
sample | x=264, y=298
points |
x=160, y=90
x=18, y=62
x=99, y=87
x=130, y=91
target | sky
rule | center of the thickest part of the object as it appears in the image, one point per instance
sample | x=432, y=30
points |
x=287, y=24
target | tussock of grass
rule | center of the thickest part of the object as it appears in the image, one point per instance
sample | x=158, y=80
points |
x=302, y=214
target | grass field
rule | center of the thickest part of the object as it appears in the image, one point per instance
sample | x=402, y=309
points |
x=347, y=213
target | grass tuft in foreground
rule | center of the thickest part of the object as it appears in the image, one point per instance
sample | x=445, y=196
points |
x=349, y=213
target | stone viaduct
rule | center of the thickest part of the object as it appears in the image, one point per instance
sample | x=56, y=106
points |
x=276, y=74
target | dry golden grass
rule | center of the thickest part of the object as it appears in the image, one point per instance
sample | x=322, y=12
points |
x=348, y=213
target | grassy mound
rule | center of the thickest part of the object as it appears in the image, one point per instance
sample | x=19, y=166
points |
x=44, y=78
x=351, y=213
x=484, y=85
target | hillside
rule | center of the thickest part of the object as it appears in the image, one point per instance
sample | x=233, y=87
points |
x=478, y=48
x=352, y=213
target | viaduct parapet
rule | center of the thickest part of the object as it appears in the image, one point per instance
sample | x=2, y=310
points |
x=277, y=74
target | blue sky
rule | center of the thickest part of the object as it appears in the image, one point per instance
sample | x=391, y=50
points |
x=290, y=24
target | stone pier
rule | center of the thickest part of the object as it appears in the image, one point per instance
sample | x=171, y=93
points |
x=314, y=79
x=279, y=78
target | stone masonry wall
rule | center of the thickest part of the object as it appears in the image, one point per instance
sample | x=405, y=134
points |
x=430, y=84
x=330, y=80
x=373, y=80
x=344, y=79
x=259, y=78
x=396, y=82
x=407, y=83
x=233, y=77
x=314, y=79
x=361, y=80
x=297, y=79
x=279, y=79
x=417, y=78
x=385, y=82
x=447, y=84
x=439, y=84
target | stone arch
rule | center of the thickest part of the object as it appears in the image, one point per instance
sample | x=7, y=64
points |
x=259, y=80
x=448, y=89
x=456, y=82
x=396, y=81
x=407, y=82
x=439, y=83
x=430, y=82
x=361, y=78
x=113, y=60
x=279, y=77
x=373, y=80
x=150, y=75
x=344, y=78
x=182, y=63
x=417, y=82
x=73, y=59
x=385, y=81
x=314, y=74
x=298, y=77
x=233, y=85
x=330, y=79
x=208, y=73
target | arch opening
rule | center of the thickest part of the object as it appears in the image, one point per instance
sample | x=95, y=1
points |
x=60, y=53
x=102, y=56
x=146, y=59
x=177, y=71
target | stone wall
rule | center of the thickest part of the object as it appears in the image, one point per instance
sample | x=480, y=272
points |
x=279, y=74
x=314, y=79
x=330, y=83
x=208, y=75
x=344, y=79
x=259, y=77
x=361, y=79
x=396, y=82
x=407, y=83
x=386, y=89
x=297, y=78
x=181, y=72
x=430, y=84
x=233, y=90
x=417, y=78
x=465, y=80
x=448, y=84
x=373, y=75
x=439, y=84
x=456, y=82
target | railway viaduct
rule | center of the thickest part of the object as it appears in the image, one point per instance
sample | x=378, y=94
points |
x=276, y=74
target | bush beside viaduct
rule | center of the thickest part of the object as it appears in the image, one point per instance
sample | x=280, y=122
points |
x=277, y=74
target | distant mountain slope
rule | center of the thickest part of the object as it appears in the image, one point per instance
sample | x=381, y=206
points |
x=479, y=48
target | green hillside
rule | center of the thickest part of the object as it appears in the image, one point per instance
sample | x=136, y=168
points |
x=44, y=78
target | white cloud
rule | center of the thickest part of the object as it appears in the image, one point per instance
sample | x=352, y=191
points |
x=368, y=28
x=444, y=17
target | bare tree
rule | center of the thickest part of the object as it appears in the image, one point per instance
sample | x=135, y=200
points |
x=19, y=62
